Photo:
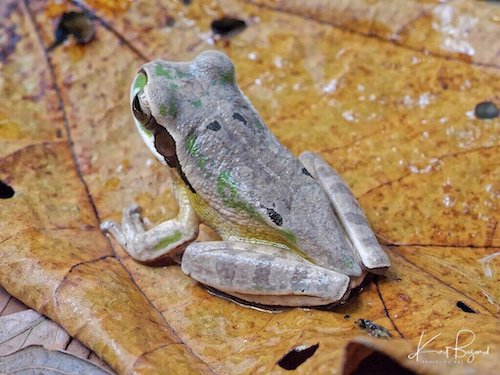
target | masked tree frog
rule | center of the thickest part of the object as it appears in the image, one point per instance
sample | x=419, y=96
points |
x=292, y=232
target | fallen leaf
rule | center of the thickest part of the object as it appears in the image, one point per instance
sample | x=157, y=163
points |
x=385, y=92
x=45, y=361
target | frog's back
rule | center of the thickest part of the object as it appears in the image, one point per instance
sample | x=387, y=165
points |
x=243, y=174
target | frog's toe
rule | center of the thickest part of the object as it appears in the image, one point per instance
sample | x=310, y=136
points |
x=132, y=209
x=132, y=223
x=113, y=228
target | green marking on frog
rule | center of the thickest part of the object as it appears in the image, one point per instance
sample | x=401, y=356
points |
x=162, y=72
x=228, y=191
x=196, y=103
x=173, y=86
x=257, y=125
x=140, y=81
x=348, y=263
x=227, y=77
x=163, y=109
x=172, y=108
x=181, y=74
x=193, y=149
x=164, y=242
x=191, y=145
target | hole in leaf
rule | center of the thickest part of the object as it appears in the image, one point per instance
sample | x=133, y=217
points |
x=6, y=191
x=465, y=308
x=486, y=110
x=227, y=26
x=379, y=364
x=78, y=24
x=297, y=356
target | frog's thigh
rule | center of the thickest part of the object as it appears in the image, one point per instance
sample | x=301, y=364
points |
x=263, y=274
x=348, y=210
x=164, y=240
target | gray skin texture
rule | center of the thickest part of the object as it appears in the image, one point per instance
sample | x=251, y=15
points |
x=293, y=233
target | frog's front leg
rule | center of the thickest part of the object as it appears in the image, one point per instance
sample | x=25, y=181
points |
x=348, y=211
x=263, y=274
x=167, y=239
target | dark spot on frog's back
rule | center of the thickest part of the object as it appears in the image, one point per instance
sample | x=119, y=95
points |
x=275, y=217
x=214, y=126
x=239, y=117
x=306, y=172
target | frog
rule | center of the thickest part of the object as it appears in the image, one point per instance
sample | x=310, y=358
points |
x=291, y=231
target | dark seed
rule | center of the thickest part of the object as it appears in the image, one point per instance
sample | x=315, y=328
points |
x=465, y=308
x=6, y=191
x=77, y=24
x=228, y=26
x=297, y=356
x=486, y=110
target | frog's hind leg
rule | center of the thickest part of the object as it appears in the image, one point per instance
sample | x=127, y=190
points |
x=348, y=211
x=165, y=240
x=263, y=274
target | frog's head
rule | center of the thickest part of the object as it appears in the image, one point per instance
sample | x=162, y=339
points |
x=165, y=96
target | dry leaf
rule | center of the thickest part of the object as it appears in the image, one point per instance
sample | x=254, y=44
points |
x=37, y=359
x=389, y=103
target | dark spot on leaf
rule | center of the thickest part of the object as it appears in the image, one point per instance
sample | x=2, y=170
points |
x=6, y=191
x=169, y=21
x=465, y=308
x=297, y=356
x=275, y=217
x=239, y=117
x=372, y=328
x=306, y=172
x=214, y=125
x=486, y=110
x=59, y=133
x=227, y=26
x=9, y=41
x=347, y=316
x=78, y=24
x=186, y=2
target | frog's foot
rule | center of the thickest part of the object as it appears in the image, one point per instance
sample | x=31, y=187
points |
x=348, y=211
x=165, y=240
x=263, y=274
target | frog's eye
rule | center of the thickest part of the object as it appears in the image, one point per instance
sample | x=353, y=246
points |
x=140, y=108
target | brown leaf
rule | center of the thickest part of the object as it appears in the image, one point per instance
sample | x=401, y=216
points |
x=384, y=91
x=42, y=360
